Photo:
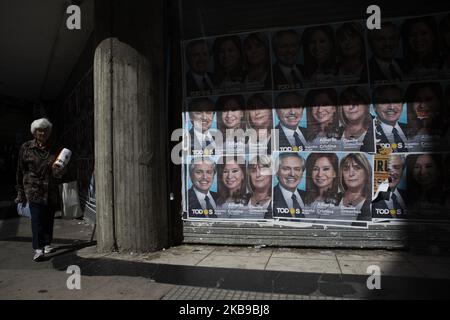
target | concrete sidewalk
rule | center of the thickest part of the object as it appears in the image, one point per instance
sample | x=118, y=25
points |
x=22, y=278
x=209, y=272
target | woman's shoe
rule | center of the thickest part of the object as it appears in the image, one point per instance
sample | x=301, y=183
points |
x=48, y=249
x=38, y=255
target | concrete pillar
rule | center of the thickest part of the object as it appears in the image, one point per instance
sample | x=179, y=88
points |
x=103, y=147
x=131, y=214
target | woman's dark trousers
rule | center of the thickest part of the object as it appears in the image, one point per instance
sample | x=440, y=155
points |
x=41, y=224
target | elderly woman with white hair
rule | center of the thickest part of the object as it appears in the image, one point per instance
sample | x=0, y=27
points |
x=37, y=183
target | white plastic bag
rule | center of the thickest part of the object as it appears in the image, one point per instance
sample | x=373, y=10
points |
x=70, y=201
x=24, y=210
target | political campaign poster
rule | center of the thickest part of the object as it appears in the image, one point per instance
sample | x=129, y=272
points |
x=231, y=123
x=410, y=117
x=259, y=186
x=229, y=187
x=322, y=186
x=417, y=188
x=444, y=36
x=409, y=49
x=390, y=112
x=324, y=120
x=201, y=126
x=198, y=68
x=426, y=117
x=259, y=120
x=201, y=187
x=390, y=183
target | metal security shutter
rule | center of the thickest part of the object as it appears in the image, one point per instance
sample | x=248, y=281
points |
x=201, y=18
x=390, y=237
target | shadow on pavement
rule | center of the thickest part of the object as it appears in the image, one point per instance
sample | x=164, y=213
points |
x=298, y=283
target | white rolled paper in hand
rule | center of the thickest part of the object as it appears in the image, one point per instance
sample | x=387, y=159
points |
x=63, y=158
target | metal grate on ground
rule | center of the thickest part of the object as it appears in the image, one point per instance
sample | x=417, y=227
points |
x=200, y=293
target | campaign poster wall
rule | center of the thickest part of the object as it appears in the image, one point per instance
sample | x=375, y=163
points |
x=359, y=118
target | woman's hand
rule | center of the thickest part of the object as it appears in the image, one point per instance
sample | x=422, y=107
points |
x=58, y=171
x=20, y=199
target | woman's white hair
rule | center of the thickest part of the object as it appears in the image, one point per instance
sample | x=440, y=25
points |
x=42, y=123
